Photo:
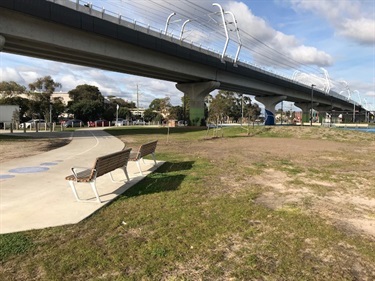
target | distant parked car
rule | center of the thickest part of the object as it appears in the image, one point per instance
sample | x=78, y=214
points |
x=32, y=123
x=98, y=123
x=73, y=123
x=139, y=122
x=181, y=123
x=120, y=122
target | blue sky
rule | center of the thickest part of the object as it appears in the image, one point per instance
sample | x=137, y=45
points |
x=337, y=35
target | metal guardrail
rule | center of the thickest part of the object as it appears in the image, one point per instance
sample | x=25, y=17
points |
x=100, y=12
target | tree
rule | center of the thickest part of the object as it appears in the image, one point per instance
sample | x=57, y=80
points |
x=219, y=107
x=231, y=105
x=11, y=89
x=58, y=107
x=40, y=92
x=185, y=107
x=125, y=113
x=165, y=107
x=149, y=115
x=253, y=111
x=87, y=103
x=155, y=105
x=121, y=102
x=87, y=110
x=162, y=106
x=44, y=85
x=176, y=113
x=10, y=94
x=86, y=92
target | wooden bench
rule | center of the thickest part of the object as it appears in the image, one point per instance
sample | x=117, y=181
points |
x=145, y=149
x=103, y=165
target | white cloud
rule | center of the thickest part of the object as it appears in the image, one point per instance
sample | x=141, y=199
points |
x=11, y=74
x=283, y=45
x=352, y=19
x=361, y=30
x=109, y=83
x=310, y=55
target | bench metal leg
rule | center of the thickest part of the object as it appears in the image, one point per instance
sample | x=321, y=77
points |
x=153, y=157
x=139, y=167
x=71, y=183
x=93, y=186
x=126, y=174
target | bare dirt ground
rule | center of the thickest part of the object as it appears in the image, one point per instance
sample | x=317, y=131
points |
x=325, y=174
x=332, y=180
x=23, y=148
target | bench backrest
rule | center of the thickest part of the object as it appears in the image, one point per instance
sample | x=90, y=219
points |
x=110, y=162
x=146, y=149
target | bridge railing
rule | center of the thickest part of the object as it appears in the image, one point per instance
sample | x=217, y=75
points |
x=100, y=12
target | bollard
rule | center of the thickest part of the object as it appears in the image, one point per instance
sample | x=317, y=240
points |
x=24, y=127
x=11, y=128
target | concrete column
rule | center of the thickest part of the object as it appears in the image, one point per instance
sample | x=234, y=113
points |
x=323, y=110
x=196, y=93
x=2, y=42
x=269, y=103
x=306, y=107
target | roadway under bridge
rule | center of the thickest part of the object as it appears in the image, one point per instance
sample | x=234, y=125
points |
x=67, y=32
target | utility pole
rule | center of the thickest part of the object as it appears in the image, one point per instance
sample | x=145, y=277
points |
x=137, y=101
x=241, y=109
x=312, y=100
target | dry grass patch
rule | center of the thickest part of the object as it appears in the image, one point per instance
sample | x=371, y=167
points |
x=266, y=207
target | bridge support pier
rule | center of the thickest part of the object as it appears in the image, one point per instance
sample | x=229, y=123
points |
x=269, y=103
x=196, y=93
x=323, y=113
x=306, y=108
x=2, y=42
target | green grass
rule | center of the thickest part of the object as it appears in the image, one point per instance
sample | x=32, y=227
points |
x=14, y=244
x=12, y=138
x=183, y=222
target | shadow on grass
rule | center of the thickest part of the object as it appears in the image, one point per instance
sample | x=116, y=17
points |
x=169, y=167
x=152, y=130
x=162, y=180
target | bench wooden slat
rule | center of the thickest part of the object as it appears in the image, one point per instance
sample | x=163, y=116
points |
x=103, y=165
x=84, y=176
x=144, y=150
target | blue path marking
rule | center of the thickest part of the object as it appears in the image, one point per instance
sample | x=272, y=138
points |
x=6, y=177
x=48, y=164
x=27, y=170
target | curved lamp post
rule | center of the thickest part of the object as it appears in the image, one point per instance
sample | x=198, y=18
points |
x=183, y=28
x=167, y=23
x=225, y=29
x=238, y=37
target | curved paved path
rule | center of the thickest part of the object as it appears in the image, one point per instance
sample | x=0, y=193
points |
x=34, y=193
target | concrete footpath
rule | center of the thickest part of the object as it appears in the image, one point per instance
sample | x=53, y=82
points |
x=34, y=193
